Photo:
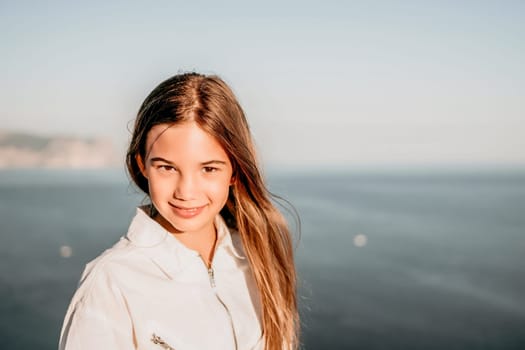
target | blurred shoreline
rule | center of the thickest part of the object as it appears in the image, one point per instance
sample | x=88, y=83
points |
x=20, y=150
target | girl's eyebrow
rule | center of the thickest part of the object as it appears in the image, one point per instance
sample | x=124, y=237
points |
x=160, y=159
x=221, y=162
x=209, y=162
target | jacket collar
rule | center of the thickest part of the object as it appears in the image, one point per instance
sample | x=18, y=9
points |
x=163, y=247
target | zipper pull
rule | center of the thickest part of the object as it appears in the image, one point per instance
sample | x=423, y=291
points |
x=212, y=277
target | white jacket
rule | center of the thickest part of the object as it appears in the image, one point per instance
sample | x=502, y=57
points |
x=149, y=291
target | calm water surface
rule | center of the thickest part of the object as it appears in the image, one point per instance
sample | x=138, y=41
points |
x=386, y=260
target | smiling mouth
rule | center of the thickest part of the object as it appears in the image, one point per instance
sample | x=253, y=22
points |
x=187, y=212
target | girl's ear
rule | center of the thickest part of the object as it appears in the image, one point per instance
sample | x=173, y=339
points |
x=140, y=163
x=233, y=179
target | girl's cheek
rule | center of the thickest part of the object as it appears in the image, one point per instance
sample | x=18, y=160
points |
x=221, y=183
x=161, y=182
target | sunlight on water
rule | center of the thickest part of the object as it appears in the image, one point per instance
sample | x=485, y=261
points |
x=360, y=240
x=66, y=251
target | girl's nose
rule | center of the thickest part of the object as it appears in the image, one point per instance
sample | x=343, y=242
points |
x=185, y=187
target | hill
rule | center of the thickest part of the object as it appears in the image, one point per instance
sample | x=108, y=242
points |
x=24, y=150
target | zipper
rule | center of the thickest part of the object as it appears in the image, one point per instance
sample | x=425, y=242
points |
x=159, y=341
x=211, y=276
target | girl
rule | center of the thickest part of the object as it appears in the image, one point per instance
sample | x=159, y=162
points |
x=209, y=263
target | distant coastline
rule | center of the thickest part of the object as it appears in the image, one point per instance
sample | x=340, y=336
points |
x=25, y=150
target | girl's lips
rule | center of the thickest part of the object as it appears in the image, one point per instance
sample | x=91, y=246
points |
x=187, y=213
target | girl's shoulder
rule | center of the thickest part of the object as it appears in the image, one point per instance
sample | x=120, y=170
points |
x=99, y=296
x=105, y=268
x=137, y=255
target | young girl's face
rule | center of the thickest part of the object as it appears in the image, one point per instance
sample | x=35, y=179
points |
x=189, y=175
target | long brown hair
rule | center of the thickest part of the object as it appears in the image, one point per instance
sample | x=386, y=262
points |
x=208, y=101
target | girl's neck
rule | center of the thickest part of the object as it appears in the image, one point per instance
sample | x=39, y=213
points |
x=202, y=241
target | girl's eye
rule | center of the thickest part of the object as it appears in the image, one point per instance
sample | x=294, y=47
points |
x=209, y=169
x=166, y=167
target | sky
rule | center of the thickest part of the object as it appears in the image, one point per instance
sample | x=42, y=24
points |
x=323, y=84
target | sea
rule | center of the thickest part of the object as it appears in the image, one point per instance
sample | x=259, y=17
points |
x=407, y=259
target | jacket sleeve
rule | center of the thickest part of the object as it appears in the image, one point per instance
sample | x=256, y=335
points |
x=97, y=317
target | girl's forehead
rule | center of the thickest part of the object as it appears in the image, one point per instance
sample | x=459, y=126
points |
x=184, y=138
